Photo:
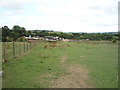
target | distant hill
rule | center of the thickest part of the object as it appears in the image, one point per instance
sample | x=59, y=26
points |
x=75, y=32
x=92, y=32
x=43, y=30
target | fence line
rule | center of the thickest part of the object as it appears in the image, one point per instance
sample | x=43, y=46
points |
x=15, y=49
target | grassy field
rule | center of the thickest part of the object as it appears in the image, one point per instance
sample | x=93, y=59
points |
x=42, y=65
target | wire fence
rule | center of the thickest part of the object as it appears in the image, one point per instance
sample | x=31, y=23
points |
x=14, y=49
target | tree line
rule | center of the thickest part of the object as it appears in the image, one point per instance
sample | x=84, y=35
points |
x=17, y=33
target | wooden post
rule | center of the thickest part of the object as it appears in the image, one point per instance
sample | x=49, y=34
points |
x=4, y=56
x=14, y=49
x=19, y=48
x=24, y=46
x=30, y=44
x=27, y=45
x=6, y=52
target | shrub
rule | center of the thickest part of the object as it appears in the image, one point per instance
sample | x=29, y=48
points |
x=21, y=39
x=114, y=41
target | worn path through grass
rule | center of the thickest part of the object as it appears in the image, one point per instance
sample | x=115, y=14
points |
x=77, y=64
x=75, y=76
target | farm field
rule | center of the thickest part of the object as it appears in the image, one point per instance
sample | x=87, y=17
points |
x=64, y=65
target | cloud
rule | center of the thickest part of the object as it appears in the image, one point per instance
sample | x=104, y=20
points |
x=11, y=4
x=61, y=15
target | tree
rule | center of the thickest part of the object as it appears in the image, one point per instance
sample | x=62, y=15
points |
x=20, y=30
x=23, y=31
x=76, y=35
x=14, y=35
x=16, y=29
x=43, y=33
x=5, y=33
x=29, y=33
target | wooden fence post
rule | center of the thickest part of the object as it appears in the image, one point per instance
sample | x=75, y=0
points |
x=27, y=45
x=19, y=47
x=24, y=46
x=14, y=49
x=6, y=52
x=4, y=56
x=30, y=44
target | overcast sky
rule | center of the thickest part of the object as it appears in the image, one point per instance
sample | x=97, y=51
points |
x=61, y=15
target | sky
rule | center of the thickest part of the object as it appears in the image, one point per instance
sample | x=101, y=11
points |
x=61, y=15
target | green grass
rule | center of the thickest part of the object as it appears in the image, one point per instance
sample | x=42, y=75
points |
x=100, y=59
x=25, y=71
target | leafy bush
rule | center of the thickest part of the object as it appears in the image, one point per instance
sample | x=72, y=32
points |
x=21, y=39
x=114, y=41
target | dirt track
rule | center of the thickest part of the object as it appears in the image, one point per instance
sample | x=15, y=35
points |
x=76, y=77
